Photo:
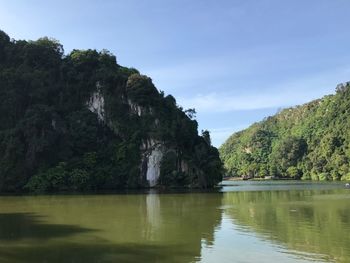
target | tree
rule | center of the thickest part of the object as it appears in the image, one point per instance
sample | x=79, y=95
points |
x=191, y=113
x=293, y=172
x=206, y=136
x=288, y=153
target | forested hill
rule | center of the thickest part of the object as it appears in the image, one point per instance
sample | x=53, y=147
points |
x=311, y=141
x=80, y=122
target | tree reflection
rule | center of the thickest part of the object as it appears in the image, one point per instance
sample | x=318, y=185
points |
x=306, y=221
x=108, y=228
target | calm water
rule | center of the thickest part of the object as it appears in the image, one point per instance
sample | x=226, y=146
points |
x=242, y=222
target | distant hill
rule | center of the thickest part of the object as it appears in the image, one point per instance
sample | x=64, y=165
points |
x=311, y=141
x=80, y=122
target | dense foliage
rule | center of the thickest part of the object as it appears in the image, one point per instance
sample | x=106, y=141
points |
x=311, y=141
x=79, y=122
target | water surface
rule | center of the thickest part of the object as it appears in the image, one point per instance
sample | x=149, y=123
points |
x=241, y=222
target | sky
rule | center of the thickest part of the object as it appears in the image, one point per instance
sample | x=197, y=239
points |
x=234, y=61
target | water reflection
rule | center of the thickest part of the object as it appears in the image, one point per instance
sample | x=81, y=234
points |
x=315, y=222
x=16, y=226
x=306, y=224
x=113, y=228
x=86, y=252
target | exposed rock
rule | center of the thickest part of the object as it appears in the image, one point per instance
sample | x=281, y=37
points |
x=247, y=150
x=184, y=167
x=151, y=160
x=53, y=124
x=156, y=122
x=153, y=166
x=135, y=108
x=96, y=103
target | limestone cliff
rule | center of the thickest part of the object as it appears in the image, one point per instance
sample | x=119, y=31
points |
x=81, y=121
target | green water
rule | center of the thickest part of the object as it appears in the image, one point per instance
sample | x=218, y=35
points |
x=241, y=222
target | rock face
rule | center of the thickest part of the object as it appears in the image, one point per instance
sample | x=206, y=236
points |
x=135, y=109
x=96, y=102
x=152, y=150
x=152, y=154
x=184, y=167
x=153, y=166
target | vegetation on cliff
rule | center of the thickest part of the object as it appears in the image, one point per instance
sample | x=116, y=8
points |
x=80, y=121
x=311, y=141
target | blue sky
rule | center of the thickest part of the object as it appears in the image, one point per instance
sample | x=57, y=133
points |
x=235, y=61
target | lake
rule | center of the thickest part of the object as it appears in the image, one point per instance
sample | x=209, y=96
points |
x=242, y=221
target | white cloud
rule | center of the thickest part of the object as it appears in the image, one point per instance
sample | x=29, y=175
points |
x=215, y=102
x=280, y=95
x=219, y=135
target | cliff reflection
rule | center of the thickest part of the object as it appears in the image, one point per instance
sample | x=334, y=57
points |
x=108, y=228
